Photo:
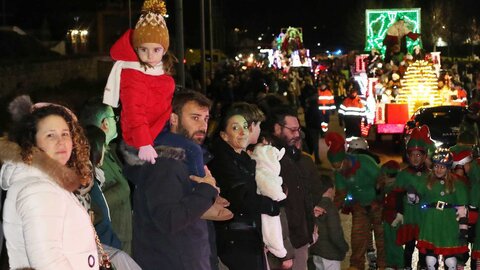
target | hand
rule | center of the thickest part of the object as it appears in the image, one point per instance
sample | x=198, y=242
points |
x=147, y=153
x=318, y=211
x=412, y=198
x=398, y=220
x=222, y=201
x=208, y=179
x=287, y=264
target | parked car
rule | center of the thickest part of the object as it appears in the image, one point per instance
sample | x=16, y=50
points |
x=443, y=122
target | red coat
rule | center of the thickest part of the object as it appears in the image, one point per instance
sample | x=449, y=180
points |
x=145, y=99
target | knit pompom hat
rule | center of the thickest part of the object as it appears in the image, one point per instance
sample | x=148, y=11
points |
x=336, y=150
x=151, y=26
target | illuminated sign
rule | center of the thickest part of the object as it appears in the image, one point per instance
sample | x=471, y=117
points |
x=379, y=20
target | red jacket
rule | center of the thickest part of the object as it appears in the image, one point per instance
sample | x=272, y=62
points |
x=145, y=99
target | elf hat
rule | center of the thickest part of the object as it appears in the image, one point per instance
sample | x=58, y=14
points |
x=151, y=26
x=462, y=154
x=420, y=139
x=336, y=144
x=390, y=167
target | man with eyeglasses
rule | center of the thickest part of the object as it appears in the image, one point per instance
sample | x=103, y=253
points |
x=356, y=175
x=116, y=187
x=300, y=180
x=418, y=147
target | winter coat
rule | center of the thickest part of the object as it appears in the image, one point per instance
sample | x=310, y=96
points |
x=331, y=244
x=45, y=225
x=269, y=183
x=235, y=175
x=102, y=222
x=167, y=230
x=117, y=193
x=298, y=173
x=145, y=95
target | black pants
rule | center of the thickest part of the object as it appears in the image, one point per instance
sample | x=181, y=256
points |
x=408, y=253
x=240, y=250
x=353, y=126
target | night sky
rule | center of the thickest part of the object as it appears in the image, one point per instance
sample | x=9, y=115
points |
x=338, y=23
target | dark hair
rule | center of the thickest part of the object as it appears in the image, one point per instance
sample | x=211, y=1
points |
x=96, y=139
x=24, y=134
x=180, y=98
x=277, y=116
x=251, y=112
x=93, y=112
x=228, y=113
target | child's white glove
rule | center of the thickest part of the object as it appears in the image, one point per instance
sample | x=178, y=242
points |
x=147, y=153
x=398, y=220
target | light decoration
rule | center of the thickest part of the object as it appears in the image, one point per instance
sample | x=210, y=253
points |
x=419, y=87
x=379, y=20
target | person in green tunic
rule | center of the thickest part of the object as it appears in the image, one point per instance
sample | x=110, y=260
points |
x=465, y=165
x=391, y=218
x=462, y=158
x=444, y=227
x=356, y=174
x=409, y=216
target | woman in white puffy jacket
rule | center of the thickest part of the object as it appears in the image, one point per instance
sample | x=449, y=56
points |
x=44, y=160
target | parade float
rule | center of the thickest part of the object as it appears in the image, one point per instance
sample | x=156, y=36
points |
x=391, y=34
x=289, y=51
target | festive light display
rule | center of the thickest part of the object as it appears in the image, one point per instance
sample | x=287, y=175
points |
x=379, y=20
x=419, y=86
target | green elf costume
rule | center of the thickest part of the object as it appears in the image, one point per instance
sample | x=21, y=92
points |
x=390, y=195
x=356, y=175
x=463, y=156
x=444, y=227
x=462, y=160
x=419, y=143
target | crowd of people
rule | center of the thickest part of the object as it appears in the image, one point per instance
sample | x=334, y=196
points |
x=229, y=180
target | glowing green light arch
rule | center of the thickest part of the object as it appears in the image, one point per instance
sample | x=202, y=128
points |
x=379, y=20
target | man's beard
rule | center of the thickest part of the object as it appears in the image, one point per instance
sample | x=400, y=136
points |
x=291, y=142
x=184, y=132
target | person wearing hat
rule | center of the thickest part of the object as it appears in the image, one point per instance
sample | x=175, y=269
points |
x=389, y=194
x=140, y=79
x=464, y=164
x=418, y=147
x=444, y=198
x=356, y=175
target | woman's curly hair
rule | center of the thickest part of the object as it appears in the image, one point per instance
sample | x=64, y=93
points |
x=25, y=130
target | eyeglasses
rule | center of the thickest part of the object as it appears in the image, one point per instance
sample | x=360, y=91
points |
x=293, y=130
x=115, y=117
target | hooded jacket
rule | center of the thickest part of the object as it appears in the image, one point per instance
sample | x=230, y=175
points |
x=145, y=95
x=167, y=230
x=45, y=225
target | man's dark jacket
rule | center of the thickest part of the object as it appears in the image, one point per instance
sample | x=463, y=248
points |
x=167, y=230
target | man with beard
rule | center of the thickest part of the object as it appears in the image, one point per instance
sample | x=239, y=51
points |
x=301, y=182
x=189, y=118
x=169, y=202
